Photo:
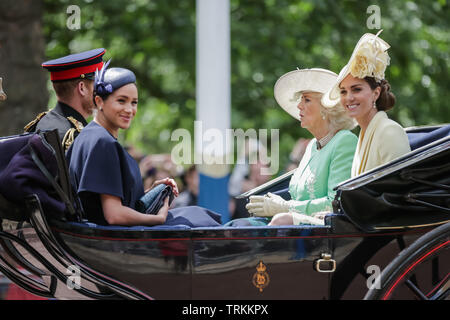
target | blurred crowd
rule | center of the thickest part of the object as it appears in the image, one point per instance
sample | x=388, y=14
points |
x=246, y=174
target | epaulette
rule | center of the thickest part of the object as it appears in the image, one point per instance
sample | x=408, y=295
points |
x=70, y=135
x=31, y=126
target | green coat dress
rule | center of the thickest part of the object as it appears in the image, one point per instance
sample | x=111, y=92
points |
x=311, y=186
x=320, y=171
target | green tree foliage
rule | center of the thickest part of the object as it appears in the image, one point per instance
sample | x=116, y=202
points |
x=156, y=39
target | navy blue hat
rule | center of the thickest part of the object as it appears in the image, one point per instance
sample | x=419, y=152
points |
x=109, y=80
x=74, y=66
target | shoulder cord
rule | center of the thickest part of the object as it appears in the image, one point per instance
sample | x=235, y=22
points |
x=30, y=125
x=69, y=137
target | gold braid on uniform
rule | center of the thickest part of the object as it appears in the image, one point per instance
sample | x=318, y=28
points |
x=31, y=124
x=70, y=135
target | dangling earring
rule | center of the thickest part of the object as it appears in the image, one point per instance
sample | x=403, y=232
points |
x=374, y=105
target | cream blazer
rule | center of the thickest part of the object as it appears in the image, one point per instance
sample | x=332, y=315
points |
x=383, y=141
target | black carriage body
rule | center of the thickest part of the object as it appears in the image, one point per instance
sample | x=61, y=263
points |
x=339, y=260
x=222, y=263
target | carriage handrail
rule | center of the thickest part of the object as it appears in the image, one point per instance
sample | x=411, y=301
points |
x=266, y=185
x=412, y=157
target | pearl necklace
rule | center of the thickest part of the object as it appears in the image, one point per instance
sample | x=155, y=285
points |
x=322, y=142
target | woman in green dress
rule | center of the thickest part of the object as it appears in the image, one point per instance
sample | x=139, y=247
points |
x=328, y=157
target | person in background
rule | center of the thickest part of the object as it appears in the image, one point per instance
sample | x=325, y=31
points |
x=159, y=166
x=149, y=177
x=188, y=197
x=297, y=154
x=246, y=175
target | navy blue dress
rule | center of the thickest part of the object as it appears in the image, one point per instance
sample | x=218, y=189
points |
x=98, y=164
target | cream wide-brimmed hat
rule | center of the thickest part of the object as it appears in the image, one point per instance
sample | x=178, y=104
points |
x=288, y=88
x=369, y=58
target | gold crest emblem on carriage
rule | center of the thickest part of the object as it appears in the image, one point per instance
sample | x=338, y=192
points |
x=261, y=278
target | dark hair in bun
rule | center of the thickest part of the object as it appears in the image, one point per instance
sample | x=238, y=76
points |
x=386, y=99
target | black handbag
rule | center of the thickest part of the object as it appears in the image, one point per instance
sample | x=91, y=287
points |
x=153, y=200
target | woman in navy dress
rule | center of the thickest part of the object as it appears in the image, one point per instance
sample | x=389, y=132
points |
x=106, y=178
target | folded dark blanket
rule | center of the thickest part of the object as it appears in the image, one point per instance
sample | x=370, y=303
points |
x=21, y=177
x=193, y=216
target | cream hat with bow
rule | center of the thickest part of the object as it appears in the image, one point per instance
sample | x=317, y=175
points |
x=369, y=58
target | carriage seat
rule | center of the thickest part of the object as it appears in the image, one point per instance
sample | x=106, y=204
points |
x=421, y=136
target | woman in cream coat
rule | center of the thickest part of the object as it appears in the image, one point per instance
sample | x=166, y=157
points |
x=363, y=91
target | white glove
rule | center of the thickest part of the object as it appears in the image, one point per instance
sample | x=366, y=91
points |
x=267, y=205
x=299, y=218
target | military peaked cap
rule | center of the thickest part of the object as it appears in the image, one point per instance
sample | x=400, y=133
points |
x=74, y=66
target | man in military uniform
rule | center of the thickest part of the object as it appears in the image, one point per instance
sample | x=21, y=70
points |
x=72, y=77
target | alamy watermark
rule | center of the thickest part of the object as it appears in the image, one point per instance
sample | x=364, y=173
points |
x=373, y=281
x=214, y=146
x=74, y=279
x=73, y=21
x=374, y=20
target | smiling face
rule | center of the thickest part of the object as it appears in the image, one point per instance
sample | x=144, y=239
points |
x=358, y=98
x=119, y=108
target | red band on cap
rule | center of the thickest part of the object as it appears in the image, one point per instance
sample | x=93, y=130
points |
x=74, y=73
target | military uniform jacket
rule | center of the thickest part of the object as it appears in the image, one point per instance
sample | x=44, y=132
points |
x=67, y=120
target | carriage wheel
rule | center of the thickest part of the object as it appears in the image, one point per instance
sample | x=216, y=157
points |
x=421, y=271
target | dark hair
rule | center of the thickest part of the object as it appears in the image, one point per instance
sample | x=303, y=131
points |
x=386, y=99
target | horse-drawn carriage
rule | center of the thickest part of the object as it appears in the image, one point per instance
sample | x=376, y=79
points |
x=387, y=237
